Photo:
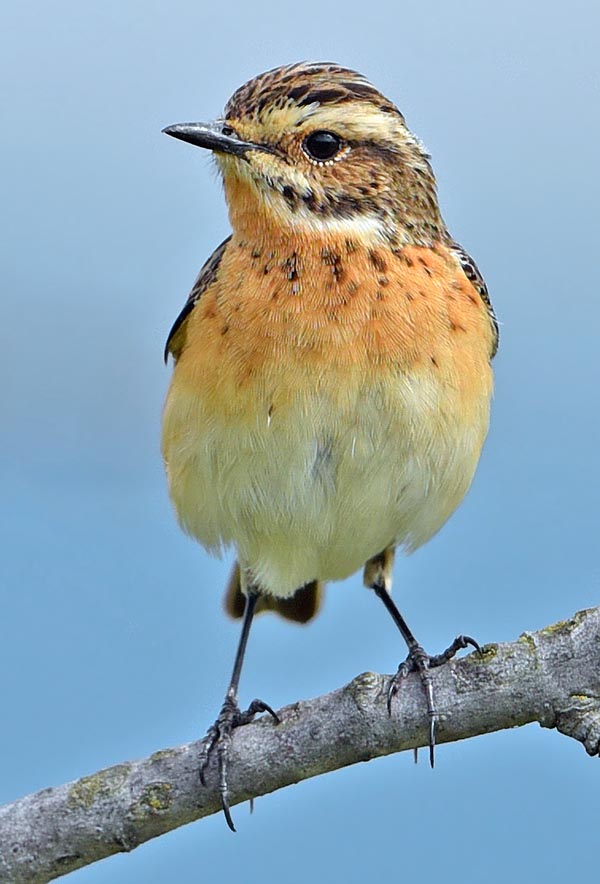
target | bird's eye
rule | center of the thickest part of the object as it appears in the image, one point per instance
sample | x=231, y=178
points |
x=228, y=131
x=322, y=146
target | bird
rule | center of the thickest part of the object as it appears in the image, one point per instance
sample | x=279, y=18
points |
x=332, y=376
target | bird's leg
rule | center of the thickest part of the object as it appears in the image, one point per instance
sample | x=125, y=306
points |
x=218, y=737
x=378, y=577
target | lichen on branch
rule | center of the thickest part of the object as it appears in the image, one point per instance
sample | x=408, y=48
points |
x=551, y=676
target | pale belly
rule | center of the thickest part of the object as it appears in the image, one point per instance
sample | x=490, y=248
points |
x=314, y=487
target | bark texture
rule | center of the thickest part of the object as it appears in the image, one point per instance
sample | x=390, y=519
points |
x=551, y=676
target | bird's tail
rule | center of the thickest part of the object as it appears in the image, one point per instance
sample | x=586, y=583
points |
x=300, y=607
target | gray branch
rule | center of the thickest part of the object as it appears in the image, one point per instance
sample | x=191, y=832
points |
x=551, y=676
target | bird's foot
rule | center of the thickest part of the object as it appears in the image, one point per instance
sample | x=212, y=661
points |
x=419, y=661
x=218, y=739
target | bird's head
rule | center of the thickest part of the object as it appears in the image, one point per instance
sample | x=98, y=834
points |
x=314, y=148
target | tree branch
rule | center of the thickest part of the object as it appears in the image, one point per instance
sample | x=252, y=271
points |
x=551, y=676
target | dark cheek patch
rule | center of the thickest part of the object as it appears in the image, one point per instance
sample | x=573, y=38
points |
x=309, y=200
x=290, y=196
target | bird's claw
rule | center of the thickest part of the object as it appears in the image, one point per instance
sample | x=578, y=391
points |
x=459, y=643
x=218, y=739
x=419, y=661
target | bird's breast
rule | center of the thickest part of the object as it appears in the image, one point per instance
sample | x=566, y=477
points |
x=326, y=404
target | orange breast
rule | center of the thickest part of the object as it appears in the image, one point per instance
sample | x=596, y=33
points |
x=327, y=402
x=276, y=319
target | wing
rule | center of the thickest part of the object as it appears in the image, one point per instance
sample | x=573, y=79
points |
x=473, y=274
x=206, y=277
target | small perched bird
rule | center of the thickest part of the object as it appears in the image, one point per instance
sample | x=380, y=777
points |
x=332, y=381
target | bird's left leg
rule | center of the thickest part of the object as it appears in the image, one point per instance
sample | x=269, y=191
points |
x=378, y=577
x=218, y=738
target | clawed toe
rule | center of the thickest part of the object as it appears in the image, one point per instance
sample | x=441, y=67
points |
x=419, y=661
x=218, y=739
x=459, y=643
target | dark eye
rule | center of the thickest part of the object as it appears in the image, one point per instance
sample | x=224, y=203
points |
x=322, y=146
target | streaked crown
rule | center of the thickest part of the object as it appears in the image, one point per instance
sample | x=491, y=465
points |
x=302, y=85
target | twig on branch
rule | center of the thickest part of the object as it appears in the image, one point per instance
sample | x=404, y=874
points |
x=551, y=676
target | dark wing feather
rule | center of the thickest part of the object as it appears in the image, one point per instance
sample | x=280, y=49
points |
x=206, y=277
x=473, y=274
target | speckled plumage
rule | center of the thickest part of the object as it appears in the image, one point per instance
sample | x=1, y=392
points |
x=332, y=381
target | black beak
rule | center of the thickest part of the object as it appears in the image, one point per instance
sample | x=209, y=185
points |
x=214, y=136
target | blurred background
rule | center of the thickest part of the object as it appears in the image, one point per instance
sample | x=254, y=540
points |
x=112, y=639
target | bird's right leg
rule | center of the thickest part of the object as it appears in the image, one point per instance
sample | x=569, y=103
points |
x=218, y=738
x=378, y=577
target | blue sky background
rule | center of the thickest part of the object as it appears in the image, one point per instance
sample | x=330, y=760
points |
x=112, y=639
